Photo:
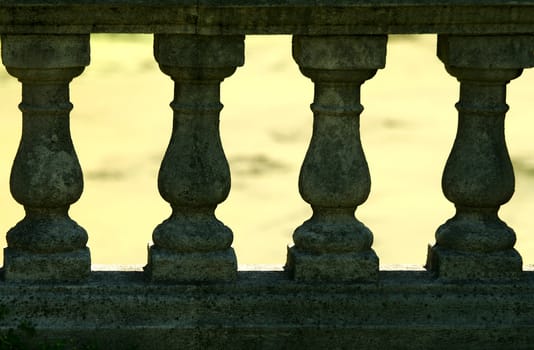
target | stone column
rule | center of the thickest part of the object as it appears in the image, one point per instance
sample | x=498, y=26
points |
x=46, y=177
x=333, y=245
x=192, y=244
x=478, y=177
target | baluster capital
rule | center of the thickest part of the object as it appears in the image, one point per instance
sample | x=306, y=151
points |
x=198, y=57
x=340, y=58
x=340, y=52
x=486, y=51
x=43, y=56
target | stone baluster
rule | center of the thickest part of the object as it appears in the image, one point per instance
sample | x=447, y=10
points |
x=333, y=245
x=46, y=177
x=192, y=245
x=478, y=177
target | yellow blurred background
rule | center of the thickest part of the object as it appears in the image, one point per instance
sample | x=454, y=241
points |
x=121, y=125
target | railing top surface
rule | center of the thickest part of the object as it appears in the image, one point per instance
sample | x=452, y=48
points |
x=266, y=3
x=268, y=16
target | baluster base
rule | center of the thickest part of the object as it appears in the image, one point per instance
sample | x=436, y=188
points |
x=457, y=265
x=167, y=266
x=70, y=266
x=332, y=267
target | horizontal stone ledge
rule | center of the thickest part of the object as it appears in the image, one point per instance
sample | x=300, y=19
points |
x=265, y=309
x=267, y=17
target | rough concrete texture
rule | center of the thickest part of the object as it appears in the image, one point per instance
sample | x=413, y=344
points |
x=192, y=245
x=478, y=177
x=334, y=178
x=268, y=310
x=46, y=176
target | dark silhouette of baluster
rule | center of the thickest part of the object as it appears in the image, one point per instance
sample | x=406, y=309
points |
x=192, y=245
x=478, y=177
x=46, y=177
x=334, y=179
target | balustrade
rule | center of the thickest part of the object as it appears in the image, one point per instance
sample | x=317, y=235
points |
x=192, y=245
x=474, y=287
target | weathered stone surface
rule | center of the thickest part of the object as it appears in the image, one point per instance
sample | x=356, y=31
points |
x=206, y=52
x=173, y=266
x=340, y=267
x=268, y=310
x=452, y=264
x=192, y=244
x=340, y=52
x=478, y=177
x=333, y=245
x=22, y=266
x=487, y=52
x=46, y=176
x=41, y=52
x=322, y=17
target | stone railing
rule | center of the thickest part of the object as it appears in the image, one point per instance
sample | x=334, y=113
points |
x=474, y=292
